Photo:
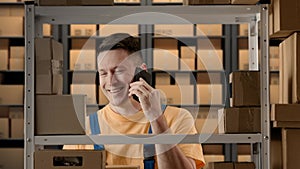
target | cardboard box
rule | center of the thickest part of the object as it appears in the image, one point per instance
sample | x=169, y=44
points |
x=274, y=93
x=83, y=30
x=3, y=59
x=177, y=94
x=176, y=30
x=240, y=120
x=11, y=94
x=4, y=128
x=82, y=59
x=183, y=78
x=69, y=159
x=17, y=128
x=16, y=113
x=245, y=2
x=289, y=73
x=209, y=29
x=4, y=10
x=207, y=123
x=276, y=149
x=16, y=10
x=108, y=29
x=244, y=165
x=244, y=149
x=286, y=17
x=274, y=51
x=4, y=44
x=12, y=158
x=243, y=59
x=271, y=18
x=290, y=148
x=122, y=167
x=206, y=2
x=245, y=88
x=187, y=51
x=49, y=58
x=167, y=44
x=53, y=111
x=102, y=98
x=243, y=29
x=4, y=111
x=74, y=2
x=209, y=94
x=17, y=52
x=162, y=79
x=285, y=112
x=165, y=59
x=16, y=64
x=212, y=149
x=187, y=64
x=210, y=59
x=221, y=165
x=212, y=158
x=209, y=78
x=13, y=26
x=79, y=77
x=87, y=89
x=46, y=30
x=286, y=124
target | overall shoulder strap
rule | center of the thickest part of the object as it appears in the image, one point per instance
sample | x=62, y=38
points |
x=95, y=129
x=149, y=149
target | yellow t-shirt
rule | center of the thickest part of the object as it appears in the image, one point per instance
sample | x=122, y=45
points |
x=179, y=121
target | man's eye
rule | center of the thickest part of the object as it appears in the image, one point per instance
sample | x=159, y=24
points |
x=119, y=71
x=102, y=73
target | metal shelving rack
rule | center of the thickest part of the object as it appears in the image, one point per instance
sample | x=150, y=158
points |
x=37, y=15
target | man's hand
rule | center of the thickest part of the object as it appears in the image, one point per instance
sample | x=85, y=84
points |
x=148, y=97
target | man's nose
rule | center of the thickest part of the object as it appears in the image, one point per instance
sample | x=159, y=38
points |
x=111, y=78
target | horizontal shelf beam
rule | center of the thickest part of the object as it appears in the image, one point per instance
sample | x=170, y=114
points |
x=148, y=139
x=227, y=14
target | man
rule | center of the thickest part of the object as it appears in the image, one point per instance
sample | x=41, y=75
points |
x=117, y=61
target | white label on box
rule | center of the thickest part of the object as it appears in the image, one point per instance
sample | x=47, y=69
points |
x=83, y=30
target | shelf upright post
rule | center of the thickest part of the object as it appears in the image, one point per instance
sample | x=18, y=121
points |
x=253, y=44
x=265, y=93
x=29, y=144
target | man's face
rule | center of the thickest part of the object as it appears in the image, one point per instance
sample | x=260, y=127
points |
x=116, y=72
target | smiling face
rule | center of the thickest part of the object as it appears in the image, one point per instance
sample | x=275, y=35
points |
x=116, y=71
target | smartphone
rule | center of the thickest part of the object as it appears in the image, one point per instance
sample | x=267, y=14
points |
x=143, y=74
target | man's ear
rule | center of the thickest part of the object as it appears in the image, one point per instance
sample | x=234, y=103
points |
x=143, y=66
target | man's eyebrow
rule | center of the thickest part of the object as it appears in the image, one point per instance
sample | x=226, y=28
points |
x=112, y=68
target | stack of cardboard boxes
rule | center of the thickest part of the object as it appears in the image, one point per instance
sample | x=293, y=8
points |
x=285, y=115
x=244, y=114
x=284, y=23
x=220, y=2
x=52, y=108
x=231, y=165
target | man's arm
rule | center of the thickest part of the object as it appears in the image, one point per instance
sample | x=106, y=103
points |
x=169, y=156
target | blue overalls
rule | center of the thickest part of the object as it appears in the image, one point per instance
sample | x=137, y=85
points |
x=148, y=149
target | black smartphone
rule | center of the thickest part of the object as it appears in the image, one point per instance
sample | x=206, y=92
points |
x=143, y=74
